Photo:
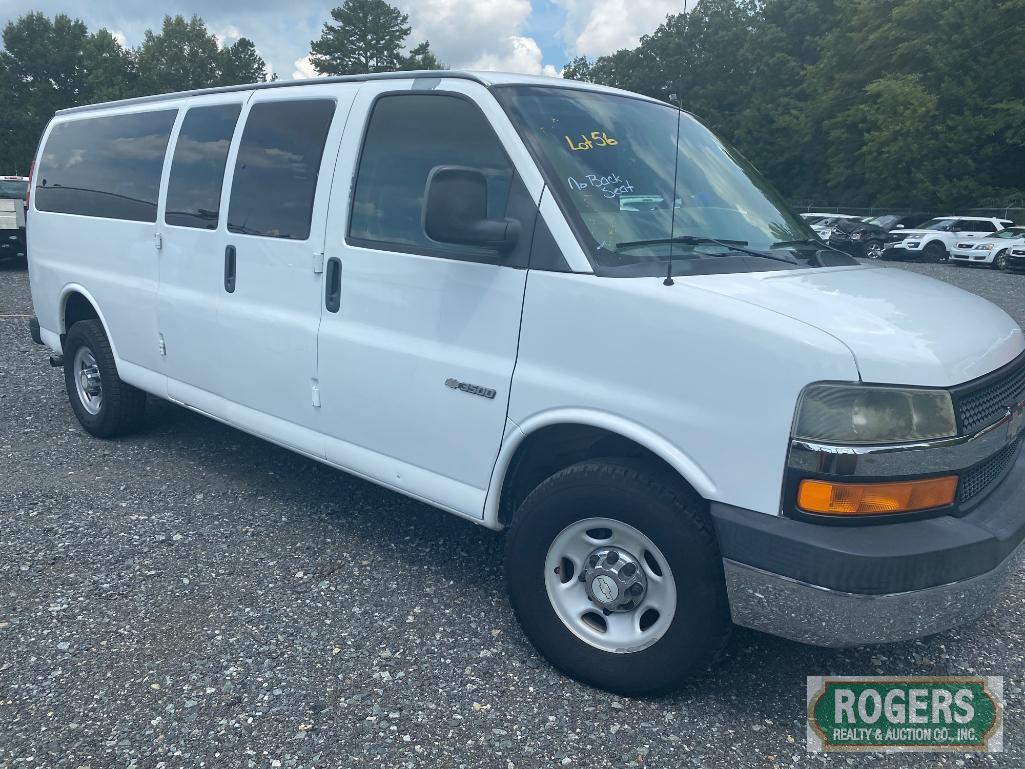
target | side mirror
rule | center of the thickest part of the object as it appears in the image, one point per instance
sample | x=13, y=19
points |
x=456, y=211
x=899, y=227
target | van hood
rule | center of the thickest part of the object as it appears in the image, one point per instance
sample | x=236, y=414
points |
x=902, y=327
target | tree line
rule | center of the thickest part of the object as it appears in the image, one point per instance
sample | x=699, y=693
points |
x=902, y=103
x=909, y=103
x=50, y=64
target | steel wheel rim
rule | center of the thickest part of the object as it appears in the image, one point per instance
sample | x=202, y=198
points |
x=1002, y=260
x=619, y=632
x=87, y=380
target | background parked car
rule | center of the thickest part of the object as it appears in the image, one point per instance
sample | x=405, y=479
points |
x=823, y=223
x=12, y=216
x=867, y=238
x=1016, y=259
x=933, y=241
x=991, y=250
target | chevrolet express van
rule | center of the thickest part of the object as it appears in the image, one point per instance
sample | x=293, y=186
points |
x=555, y=308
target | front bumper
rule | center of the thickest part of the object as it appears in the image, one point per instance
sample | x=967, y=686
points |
x=971, y=255
x=836, y=585
x=815, y=615
x=1016, y=259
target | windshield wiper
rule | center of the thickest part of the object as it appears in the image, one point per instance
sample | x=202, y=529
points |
x=799, y=242
x=687, y=240
x=736, y=246
x=819, y=245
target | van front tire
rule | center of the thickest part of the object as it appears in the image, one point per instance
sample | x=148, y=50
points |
x=558, y=553
x=104, y=405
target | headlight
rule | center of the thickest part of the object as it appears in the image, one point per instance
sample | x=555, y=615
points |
x=984, y=247
x=857, y=236
x=866, y=414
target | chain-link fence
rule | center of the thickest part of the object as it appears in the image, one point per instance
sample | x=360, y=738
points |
x=1015, y=210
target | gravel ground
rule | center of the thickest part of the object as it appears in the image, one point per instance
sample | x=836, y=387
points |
x=192, y=596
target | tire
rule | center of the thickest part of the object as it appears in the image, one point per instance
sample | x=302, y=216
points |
x=104, y=405
x=639, y=503
x=873, y=249
x=934, y=252
x=1000, y=261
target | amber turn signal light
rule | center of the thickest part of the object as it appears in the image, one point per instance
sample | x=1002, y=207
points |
x=876, y=498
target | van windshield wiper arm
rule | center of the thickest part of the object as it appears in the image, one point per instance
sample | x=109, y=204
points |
x=687, y=240
x=820, y=245
x=697, y=240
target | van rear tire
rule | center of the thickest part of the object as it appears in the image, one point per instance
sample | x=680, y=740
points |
x=657, y=527
x=104, y=405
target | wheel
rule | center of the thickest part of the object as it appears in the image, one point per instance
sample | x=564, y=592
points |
x=615, y=575
x=873, y=249
x=104, y=404
x=1000, y=261
x=935, y=252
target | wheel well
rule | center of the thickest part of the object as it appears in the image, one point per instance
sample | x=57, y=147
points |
x=76, y=308
x=554, y=448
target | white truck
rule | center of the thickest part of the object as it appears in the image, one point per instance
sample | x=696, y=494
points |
x=12, y=216
x=688, y=412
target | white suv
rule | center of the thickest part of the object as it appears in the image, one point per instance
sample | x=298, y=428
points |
x=933, y=241
x=992, y=250
x=685, y=409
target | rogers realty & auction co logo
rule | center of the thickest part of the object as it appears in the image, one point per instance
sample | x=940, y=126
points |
x=906, y=713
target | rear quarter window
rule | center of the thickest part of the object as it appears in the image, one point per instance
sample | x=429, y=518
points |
x=107, y=166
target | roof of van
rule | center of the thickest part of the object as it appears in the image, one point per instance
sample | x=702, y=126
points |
x=485, y=78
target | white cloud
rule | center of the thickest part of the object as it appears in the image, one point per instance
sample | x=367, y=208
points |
x=600, y=27
x=303, y=68
x=477, y=34
x=227, y=35
x=521, y=54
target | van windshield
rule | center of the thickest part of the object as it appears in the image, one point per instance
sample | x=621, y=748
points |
x=638, y=196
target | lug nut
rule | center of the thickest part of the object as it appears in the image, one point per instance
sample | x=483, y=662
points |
x=593, y=560
x=606, y=612
x=636, y=589
x=612, y=557
x=628, y=570
x=583, y=578
x=627, y=606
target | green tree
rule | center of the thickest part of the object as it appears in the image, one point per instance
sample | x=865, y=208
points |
x=421, y=57
x=42, y=69
x=110, y=69
x=911, y=103
x=240, y=63
x=181, y=57
x=367, y=36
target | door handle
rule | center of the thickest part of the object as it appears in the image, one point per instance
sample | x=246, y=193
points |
x=333, y=284
x=229, y=269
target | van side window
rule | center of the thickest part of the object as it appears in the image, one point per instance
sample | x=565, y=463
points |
x=407, y=136
x=277, y=167
x=197, y=169
x=105, y=166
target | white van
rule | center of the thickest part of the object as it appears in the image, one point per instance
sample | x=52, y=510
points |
x=686, y=409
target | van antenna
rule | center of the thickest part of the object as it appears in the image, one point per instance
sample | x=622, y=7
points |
x=676, y=171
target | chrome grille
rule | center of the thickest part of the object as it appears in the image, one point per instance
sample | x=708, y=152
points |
x=985, y=403
x=982, y=476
